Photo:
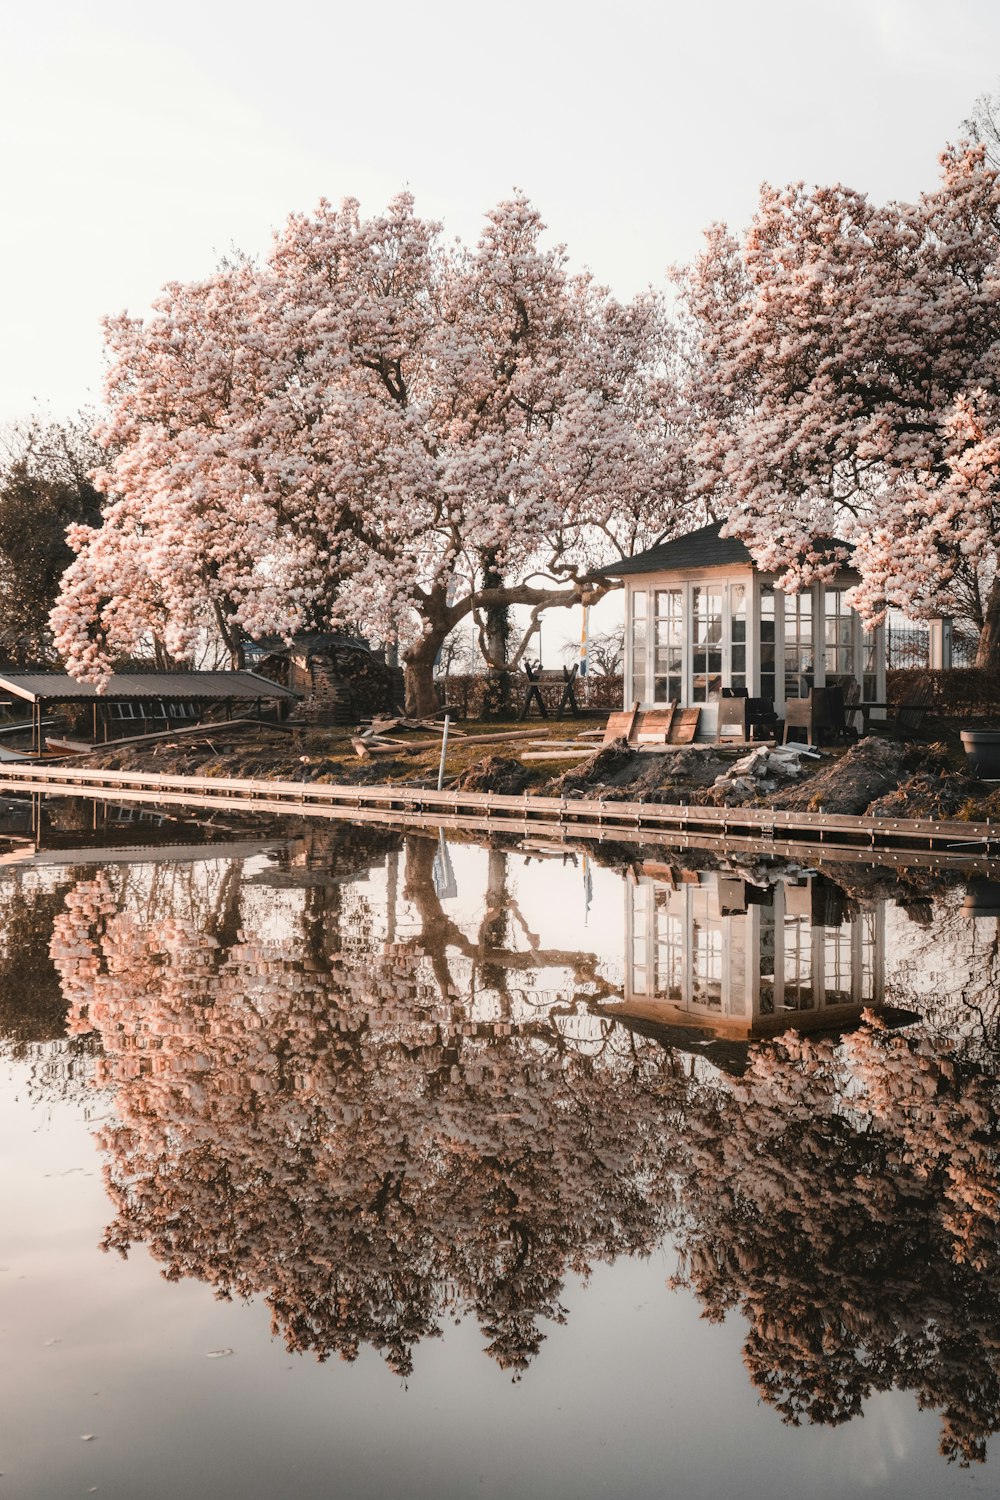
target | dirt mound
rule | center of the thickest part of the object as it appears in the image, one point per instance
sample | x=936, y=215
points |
x=675, y=776
x=495, y=773
x=851, y=783
x=617, y=773
x=930, y=796
x=611, y=765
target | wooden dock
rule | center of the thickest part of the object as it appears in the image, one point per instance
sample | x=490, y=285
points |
x=753, y=830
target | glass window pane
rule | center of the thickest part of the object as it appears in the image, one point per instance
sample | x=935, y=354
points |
x=838, y=634
x=766, y=642
x=799, y=668
x=669, y=646
x=638, y=635
x=707, y=649
x=737, y=635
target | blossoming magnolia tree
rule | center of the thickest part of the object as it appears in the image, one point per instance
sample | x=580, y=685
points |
x=848, y=383
x=373, y=427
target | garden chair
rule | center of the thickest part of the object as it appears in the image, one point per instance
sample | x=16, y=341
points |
x=821, y=713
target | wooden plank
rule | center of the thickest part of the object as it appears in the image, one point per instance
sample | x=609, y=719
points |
x=652, y=727
x=368, y=745
x=685, y=726
x=619, y=726
x=372, y=747
x=564, y=754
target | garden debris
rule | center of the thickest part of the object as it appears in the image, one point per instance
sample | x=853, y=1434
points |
x=384, y=724
x=369, y=743
x=495, y=773
x=927, y=795
x=758, y=774
x=604, y=764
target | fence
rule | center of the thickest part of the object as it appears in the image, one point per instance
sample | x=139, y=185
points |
x=907, y=644
x=468, y=694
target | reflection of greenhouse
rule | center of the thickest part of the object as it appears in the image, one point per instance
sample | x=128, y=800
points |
x=720, y=953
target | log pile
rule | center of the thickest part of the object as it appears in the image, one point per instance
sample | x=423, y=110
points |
x=340, y=684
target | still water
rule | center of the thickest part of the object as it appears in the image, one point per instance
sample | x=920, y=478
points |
x=350, y=1163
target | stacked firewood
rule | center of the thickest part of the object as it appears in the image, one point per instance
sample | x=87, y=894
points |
x=347, y=685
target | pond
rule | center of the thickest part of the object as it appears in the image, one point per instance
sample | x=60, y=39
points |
x=352, y=1162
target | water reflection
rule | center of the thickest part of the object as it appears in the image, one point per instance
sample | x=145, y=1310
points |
x=377, y=1104
x=715, y=950
x=844, y=1195
x=315, y=1113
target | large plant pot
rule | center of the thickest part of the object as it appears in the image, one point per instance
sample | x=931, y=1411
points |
x=982, y=752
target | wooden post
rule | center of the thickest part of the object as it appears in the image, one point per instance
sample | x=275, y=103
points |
x=444, y=752
x=939, y=631
x=533, y=694
x=568, y=699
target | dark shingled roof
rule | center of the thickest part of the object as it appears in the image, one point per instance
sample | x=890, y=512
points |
x=703, y=548
x=59, y=687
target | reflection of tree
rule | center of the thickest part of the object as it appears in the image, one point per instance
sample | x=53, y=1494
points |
x=496, y=963
x=844, y=1198
x=307, y=1112
x=32, y=1005
x=330, y=1130
x=953, y=967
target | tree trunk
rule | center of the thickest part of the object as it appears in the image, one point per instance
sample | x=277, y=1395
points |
x=988, y=654
x=418, y=675
x=497, y=637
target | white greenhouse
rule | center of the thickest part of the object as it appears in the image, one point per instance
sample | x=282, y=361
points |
x=701, y=619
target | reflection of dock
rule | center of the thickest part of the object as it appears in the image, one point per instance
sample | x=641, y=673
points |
x=763, y=830
x=716, y=953
x=26, y=853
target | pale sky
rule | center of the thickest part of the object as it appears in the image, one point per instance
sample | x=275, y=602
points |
x=140, y=143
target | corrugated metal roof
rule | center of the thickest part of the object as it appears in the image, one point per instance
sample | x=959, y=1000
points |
x=59, y=687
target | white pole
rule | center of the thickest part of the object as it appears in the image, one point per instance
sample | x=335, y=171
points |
x=444, y=752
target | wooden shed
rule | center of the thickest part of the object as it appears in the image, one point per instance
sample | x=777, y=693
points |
x=701, y=617
x=137, y=702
